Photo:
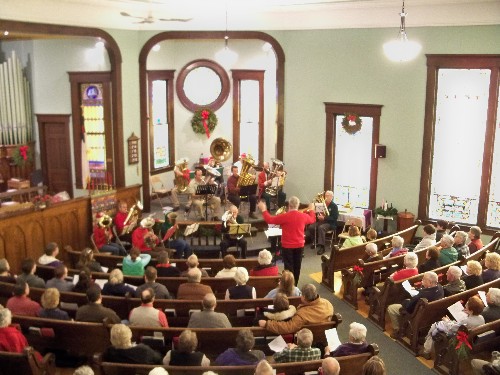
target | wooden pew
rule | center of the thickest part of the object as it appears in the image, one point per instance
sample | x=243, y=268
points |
x=212, y=266
x=79, y=338
x=447, y=361
x=393, y=292
x=26, y=363
x=350, y=365
x=382, y=269
x=340, y=259
x=417, y=324
x=219, y=285
x=213, y=341
x=123, y=305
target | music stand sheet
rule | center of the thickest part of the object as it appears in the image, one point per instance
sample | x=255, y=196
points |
x=238, y=229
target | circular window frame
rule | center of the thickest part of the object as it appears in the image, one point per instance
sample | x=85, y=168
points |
x=217, y=69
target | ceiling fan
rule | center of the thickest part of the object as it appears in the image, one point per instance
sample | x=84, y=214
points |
x=150, y=19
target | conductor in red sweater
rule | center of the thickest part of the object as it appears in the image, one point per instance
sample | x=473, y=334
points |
x=292, y=225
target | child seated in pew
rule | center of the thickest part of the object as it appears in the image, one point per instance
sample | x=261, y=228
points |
x=135, y=262
x=281, y=310
x=87, y=261
x=473, y=309
x=354, y=238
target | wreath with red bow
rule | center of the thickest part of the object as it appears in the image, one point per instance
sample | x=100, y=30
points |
x=351, y=123
x=204, y=121
x=22, y=155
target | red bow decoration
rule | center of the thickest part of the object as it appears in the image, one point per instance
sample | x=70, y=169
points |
x=462, y=339
x=358, y=269
x=23, y=150
x=205, y=114
x=351, y=118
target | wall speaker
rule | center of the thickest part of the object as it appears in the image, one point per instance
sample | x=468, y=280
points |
x=380, y=151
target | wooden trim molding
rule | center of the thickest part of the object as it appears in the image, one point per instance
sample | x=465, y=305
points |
x=434, y=63
x=204, y=35
x=368, y=110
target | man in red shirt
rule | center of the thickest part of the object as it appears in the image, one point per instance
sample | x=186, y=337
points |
x=146, y=315
x=143, y=236
x=475, y=239
x=233, y=192
x=292, y=225
x=20, y=303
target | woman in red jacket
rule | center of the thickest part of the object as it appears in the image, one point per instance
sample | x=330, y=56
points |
x=265, y=267
x=292, y=225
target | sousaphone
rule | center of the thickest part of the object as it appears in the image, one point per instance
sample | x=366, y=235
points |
x=221, y=149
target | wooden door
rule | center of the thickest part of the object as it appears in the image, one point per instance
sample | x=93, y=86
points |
x=55, y=152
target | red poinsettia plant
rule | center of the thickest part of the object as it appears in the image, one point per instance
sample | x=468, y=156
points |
x=358, y=274
x=42, y=198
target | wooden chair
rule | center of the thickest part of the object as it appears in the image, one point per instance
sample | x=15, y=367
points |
x=158, y=190
x=26, y=363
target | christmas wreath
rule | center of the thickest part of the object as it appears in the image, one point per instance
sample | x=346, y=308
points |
x=22, y=155
x=351, y=123
x=204, y=121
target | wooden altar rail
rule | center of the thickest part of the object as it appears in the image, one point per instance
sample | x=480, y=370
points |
x=25, y=235
x=24, y=195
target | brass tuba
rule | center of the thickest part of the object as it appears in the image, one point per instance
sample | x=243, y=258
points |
x=277, y=165
x=320, y=198
x=180, y=181
x=132, y=218
x=221, y=149
x=246, y=178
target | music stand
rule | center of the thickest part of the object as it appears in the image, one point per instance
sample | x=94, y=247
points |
x=206, y=190
x=239, y=229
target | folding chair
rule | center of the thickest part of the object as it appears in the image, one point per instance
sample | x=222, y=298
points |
x=158, y=190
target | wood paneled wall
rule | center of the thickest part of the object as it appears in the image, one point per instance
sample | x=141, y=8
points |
x=67, y=223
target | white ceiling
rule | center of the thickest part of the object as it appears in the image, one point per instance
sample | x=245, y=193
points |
x=253, y=14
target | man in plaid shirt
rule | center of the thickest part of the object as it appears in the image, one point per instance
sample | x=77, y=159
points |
x=300, y=352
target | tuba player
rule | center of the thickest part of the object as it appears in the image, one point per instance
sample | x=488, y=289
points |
x=233, y=192
x=197, y=200
x=324, y=223
x=103, y=236
x=265, y=180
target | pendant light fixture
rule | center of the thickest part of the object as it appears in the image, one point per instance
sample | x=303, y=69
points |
x=402, y=49
x=226, y=57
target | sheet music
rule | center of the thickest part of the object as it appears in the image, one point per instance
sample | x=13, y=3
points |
x=190, y=229
x=457, y=311
x=239, y=228
x=132, y=286
x=101, y=282
x=464, y=269
x=273, y=232
x=332, y=337
x=406, y=284
x=75, y=279
x=105, y=269
x=278, y=344
x=482, y=295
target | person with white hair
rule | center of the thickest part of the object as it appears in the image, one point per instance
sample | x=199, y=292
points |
x=410, y=262
x=263, y=367
x=266, y=266
x=431, y=290
x=324, y=223
x=5, y=275
x=292, y=225
x=397, y=243
x=492, y=311
x=123, y=351
x=460, y=244
x=241, y=290
x=492, y=267
x=116, y=286
x=357, y=342
x=193, y=289
x=11, y=338
x=83, y=370
x=455, y=283
x=330, y=366
x=448, y=254
x=158, y=371
x=193, y=262
x=303, y=351
x=372, y=254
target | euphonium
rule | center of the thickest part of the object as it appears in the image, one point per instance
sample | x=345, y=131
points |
x=246, y=178
x=228, y=218
x=133, y=216
x=320, y=198
x=180, y=181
